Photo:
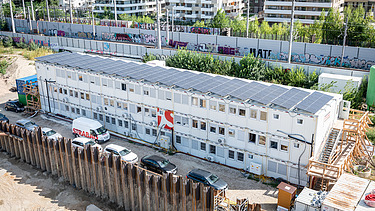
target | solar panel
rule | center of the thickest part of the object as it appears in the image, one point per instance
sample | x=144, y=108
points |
x=268, y=94
x=290, y=98
x=314, y=102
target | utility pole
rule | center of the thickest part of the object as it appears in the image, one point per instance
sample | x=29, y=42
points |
x=11, y=16
x=31, y=26
x=291, y=38
x=93, y=22
x=32, y=10
x=172, y=22
x=114, y=2
x=247, y=20
x=167, y=30
x=343, y=43
x=71, y=11
x=158, y=27
x=24, y=10
x=49, y=19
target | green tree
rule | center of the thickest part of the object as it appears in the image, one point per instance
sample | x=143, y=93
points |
x=107, y=14
x=332, y=26
x=316, y=29
x=124, y=17
x=238, y=24
x=220, y=20
x=359, y=25
x=6, y=9
x=199, y=24
x=265, y=28
x=254, y=26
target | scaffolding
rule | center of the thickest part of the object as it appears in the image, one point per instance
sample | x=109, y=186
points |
x=343, y=146
x=32, y=97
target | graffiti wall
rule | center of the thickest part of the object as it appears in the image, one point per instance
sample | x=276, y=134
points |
x=201, y=39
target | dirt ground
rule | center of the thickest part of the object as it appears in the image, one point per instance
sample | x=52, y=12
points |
x=24, y=188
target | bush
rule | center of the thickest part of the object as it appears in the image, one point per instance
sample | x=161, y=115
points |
x=22, y=45
x=33, y=46
x=148, y=57
x=7, y=42
x=371, y=135
x=31, y=55
x=4, y=64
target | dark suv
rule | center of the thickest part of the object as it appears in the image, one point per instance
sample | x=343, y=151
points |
x=158, y=164
x=3, y=118
x=14, y=106
x=207, y=178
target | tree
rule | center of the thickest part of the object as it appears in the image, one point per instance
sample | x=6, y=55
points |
x=315, y=29
x=238, y=24
x=220, y=20
x=265, y=28
x=124, y=17
x=107, y=14
x=6, y=9
x=254, y=26
x=199, y=24
x=332, y=26
x=359, y=25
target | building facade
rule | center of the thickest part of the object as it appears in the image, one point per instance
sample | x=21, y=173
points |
x=306, y=11
x=368, y=5
x=77, y=3
x=227, y=120
x=130, y=7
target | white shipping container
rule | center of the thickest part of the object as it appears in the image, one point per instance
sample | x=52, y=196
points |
x=303, y=201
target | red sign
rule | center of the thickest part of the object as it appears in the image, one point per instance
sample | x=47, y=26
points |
x=83, y=133
x=165, y=117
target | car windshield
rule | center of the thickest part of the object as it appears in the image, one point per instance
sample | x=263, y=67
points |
x=92, y=143
x=101, y=130
x=124, y=152
x=163, y=163
x=50, y=133
x=18, y=104
x=29, y=124
x=212, y=178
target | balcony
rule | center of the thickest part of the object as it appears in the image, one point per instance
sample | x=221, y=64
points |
x=278, y=3
x=284, y=12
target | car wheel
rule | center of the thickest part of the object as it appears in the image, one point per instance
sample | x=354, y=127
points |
x=16, y=110
x=6, y=108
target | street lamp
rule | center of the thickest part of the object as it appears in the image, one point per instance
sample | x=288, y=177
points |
x=293, y=136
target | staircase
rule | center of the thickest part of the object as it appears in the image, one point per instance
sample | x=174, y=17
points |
x=333, y=139
x=321, y=184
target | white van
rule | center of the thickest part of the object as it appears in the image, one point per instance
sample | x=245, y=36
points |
x=90, y=128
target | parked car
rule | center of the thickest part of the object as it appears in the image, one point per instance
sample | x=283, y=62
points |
x=27, y=124
x=158, y=164
x=3, y=118
x=51, y=134
x=90, y=128
x=207, y=178
x=124, y=153
x=14, y=105
x=80, y=142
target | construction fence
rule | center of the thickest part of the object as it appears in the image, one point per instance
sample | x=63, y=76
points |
x=106, y=176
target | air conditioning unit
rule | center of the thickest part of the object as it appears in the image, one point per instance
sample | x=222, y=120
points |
x=125, y=115
x=221, y=140
x=99, y=109
x=210, y=158
x=153, y=123
x=65, y=100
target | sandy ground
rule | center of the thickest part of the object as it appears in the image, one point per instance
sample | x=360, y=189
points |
x=19, y=181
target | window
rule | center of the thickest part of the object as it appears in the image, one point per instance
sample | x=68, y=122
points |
x=134, y=126
x=112, y=103
x=87, y=96
x=101, y=117
x=194, y=144
x=253, y=113
x=273, y=144
x=232, y=110
x=95, y=116
x=123, y=86
x=66, y=92
x=154, y=132
x=185, y=121
x=300, y=121
x=126, y=124
x=195, y=123
x=203, y=126
x=221, y=107
x=118, y=104
x=148, y=131
x=178, y=139
x=72, y=109
x=221, y=131
x=106, y=101
x=202, y=103
x=272, y=166
x=296, y=145
x=231, y=132
x=252, y=138
x=131, y=88
x=213, y=105
x=276, y=116
x=82, y=95
x=70, y=92
x=194, y=101
x=113, y=121
x=263, y=115
x=146, y=92
x=240, y=156
x=125, y=106
x=213, y=128
x=231, y=154
x=284, y=147
x=107, y=119
x=212, y=149
x=262, y=140
x=119, y=122
x=203, y=146
x=78, y=111
x=83, y=112
x=242, y=112
x=251, y=156
x=139, y=109
x=61, y=90
x=80, y=78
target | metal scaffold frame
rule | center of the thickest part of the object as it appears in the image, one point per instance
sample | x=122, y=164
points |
x=32, y=97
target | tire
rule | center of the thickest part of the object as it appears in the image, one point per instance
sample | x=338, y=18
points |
x=6, y=108
x=16, y=111
x=75, y=135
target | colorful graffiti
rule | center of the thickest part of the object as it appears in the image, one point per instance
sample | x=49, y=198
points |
x=39, y=42
x=200, y=30
x=127, y=37
x=85, y=35
x=179, y=28
x=324, y=60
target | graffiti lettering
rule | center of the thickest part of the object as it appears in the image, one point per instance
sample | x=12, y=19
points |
x=200, y=30
x=85, y=35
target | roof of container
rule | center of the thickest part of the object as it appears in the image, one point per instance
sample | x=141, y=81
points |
x=287, y=97
x=361, y=205
x=346, y=193
x=28, y=78
x=306, y=196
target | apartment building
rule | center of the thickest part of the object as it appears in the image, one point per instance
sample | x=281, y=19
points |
x=130, y=7
x=368, y=5
x=223, y=119
x=77, y=3
x=306, y=11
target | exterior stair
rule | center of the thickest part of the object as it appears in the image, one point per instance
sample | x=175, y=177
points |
x=333, y=139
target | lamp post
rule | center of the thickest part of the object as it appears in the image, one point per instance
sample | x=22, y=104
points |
x=11, y=16
x=293, y=136
x=48, y=81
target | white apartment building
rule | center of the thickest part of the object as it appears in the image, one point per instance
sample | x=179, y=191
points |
x=306, y=11
x=223, y=119
x=130, y=7
x=193, y=10
x=77, y=3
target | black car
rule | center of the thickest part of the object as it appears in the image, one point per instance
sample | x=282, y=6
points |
x=158, y=164
x=207, y=178
x=3, y=118
x=14, y=106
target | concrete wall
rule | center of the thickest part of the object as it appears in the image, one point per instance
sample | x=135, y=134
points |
x=330, y=55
